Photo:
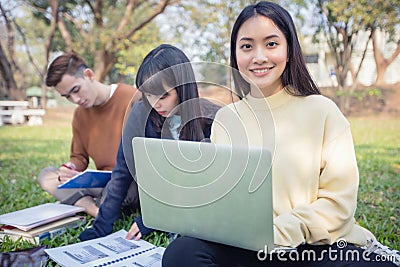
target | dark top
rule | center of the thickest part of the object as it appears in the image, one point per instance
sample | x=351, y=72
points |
x=137, y=125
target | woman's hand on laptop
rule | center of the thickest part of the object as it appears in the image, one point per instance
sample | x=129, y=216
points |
x=134, y=232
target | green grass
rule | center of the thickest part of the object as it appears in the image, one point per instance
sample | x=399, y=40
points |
x=377, y=143
x=25, y=150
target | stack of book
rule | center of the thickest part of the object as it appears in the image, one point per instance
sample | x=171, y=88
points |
x=36, y=223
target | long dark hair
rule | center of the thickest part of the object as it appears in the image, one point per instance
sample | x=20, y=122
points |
x=164, y=68
x=295, y=74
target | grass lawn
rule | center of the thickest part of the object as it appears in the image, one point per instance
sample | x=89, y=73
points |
x=26, y=150
x=377, y=144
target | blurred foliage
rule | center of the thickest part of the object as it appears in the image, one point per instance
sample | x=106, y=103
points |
x=102, y=32
x=99, y=31
x=344, y=24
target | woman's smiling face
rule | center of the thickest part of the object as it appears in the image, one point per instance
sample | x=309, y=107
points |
x=261, y=53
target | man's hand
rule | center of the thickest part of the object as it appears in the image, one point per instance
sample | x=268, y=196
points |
x=66, y=172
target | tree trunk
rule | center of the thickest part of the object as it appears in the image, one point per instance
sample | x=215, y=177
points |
x=381, y=67
x=8, y=77
x=382, y=63
x=53, y=24
x=65, y=34
x=8, y=66
x=103, y=63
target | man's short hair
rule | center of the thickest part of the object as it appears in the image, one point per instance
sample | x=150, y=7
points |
x=69, y=63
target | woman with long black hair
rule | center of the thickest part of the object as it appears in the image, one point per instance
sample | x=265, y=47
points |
x=170, y=108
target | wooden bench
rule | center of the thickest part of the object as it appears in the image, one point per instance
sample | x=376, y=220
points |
x=4, y=104
x=17, y=112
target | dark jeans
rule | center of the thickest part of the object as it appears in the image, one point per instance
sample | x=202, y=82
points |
x=192, y=252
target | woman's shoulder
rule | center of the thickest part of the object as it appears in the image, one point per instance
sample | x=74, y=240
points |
x=319, y=99
x=321, y=102
x=138, y=107
x=138, y=112
x=326, y=108
x=233, y=107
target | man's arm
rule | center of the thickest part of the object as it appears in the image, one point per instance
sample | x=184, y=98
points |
x=78, y=154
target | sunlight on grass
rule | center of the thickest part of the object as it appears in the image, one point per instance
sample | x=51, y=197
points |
x=377, y=143
x=26, y=150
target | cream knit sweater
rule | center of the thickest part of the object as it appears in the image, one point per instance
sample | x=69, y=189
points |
x=314, y=169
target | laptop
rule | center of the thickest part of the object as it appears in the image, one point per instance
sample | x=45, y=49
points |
x=214, y=192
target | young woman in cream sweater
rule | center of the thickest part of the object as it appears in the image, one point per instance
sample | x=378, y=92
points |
x=314, y=168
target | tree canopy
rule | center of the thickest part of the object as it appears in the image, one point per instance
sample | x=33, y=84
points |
x=114, y=35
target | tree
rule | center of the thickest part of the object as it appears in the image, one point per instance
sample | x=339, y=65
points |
x=22, y=35
x=341, y=23
x=101, y=28
x=383, y=17
x=203, y=31
x=213, y=20
x=8, y=65
x=129, y=60
x=205, y=27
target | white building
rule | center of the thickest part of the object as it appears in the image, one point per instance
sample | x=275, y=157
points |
x=321, y=64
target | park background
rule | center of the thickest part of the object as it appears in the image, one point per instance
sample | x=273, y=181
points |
x=351, y=47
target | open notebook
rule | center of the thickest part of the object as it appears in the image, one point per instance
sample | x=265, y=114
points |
x=214, y=192
x=88, y=179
